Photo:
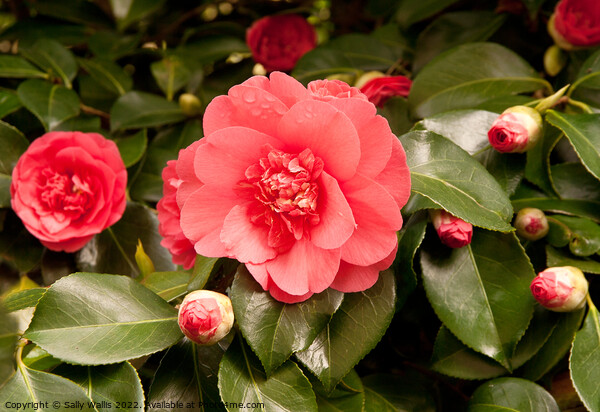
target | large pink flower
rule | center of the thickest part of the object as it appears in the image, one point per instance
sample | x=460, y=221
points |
x=67, y=187
x=306, y=192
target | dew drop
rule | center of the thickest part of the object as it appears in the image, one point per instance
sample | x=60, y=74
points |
x=249, y=97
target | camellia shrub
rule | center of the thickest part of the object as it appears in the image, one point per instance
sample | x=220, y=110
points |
x=299, y=205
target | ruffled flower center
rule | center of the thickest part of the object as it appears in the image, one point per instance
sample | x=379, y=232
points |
x=65, y=192
x=287, y=191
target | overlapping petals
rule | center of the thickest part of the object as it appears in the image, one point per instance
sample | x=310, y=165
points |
x=303, y=185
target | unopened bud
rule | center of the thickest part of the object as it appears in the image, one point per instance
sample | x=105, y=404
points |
x=516, y=130
x=190, y=105
x=205, y=317
x=452, y=231
x=554, y=60
x=560, y=289
x=531, y=223
x=143, y=260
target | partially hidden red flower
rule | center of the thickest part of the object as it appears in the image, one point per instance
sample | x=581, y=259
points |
x=277, y=42
x=67, y=187
x=452, y=231
x=516, y=130
x=560, y=289
x=576, y=24
x=380, y=89
x=182, y=251
x=303, y=185
x=205, y=317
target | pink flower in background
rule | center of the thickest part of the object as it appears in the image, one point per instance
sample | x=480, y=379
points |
x=576, y=23
x=277, y=42
x=205, y=316
x=380, y=89
x=67, y=187
x=333, y=89
x=307, y=193
x=516, y=130
x=169, y=227
x=453, y=232
x=560, y=289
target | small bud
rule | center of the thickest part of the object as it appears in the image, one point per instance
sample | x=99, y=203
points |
x=560, y=289
x=453, y=232
x=205, y=317
x=554, y=60
x=531, y=223
x=190, y=105
x=143, y=260
x=516, y=130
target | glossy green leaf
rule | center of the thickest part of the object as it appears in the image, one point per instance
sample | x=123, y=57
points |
x=37, y=358
x=30, y=385
x=397, y=114
x=563, y=176
x=23, y=299
x=559, y=257
x=348, y=395
x=81, y=123
x=555, y=347
x=5, y=182
x=363, y=51
x=469, y=75
x=186, y=376
x=168, y=285
x=127, y=12
x=135, y=110
x=132, y=148
x=78, y=11
x=584, y=237
x=12, y=145
x=109, y=386
x=203, y=267
x=410, y=238
x=171, y=75
x=583, y=131
x=54, y=58
x=51, y=104
x=355, y=329
x=94, y=319
x=210, y=49
x=511, y=394
x=111, y=45
x=8, y=339
x=9, y=103
x=113, y=250
x=28, y=31
x=390, y=393
x=18, y=246
x=242, y=380
x=109, y=75
x=320, y=63
x=584, y=362
x=274, y=329
x=412, y=11
x=446, y=174
x=537, y=169
x=470, y=289
x=453, y=29
x=15, y=66
x=589, y=74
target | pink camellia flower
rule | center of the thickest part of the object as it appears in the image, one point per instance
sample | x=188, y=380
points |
x=560, y=289
x=516, y=130
x=453, y=232
x=380, y=89
x=67, y=187
x=169, y=211
x=277, y=42
x=306, y=192
x=205, y=317
x=333, y=89
x=576, y=24
x=531, y=223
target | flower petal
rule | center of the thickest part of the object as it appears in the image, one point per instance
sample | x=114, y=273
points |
x=396, y=175
x=354, y=278
x=328, y=133
x=188, y=182
x=287, y=89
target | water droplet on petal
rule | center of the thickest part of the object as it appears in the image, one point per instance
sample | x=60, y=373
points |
x=249, y=97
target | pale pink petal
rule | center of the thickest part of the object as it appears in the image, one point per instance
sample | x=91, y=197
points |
x=287, y=89
x=187, y=182
x=256, y=108
x=244, y=240
x=377, y=217
x=262, y=82
x=227, y=153
x=327, y=132
x=259, y=273
x=218, y=115
x=396, y=175
x=202, y=218
x=281, y=296
x=304, y=268
x=337, y=222
x=354, y=278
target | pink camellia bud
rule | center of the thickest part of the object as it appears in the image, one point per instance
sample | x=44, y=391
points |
x=205, y=316
x=531, y=223
x=453, y=232
x=516, y=130
x=560, y=289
